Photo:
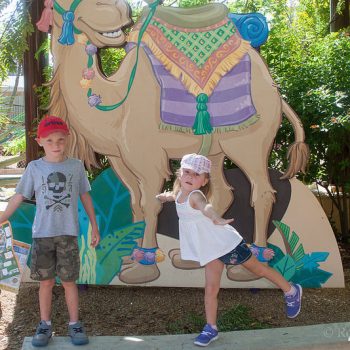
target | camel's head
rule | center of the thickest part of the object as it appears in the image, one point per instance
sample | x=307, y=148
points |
x=102, y=21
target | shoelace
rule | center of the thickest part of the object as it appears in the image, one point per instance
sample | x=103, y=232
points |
x=42, y=330
x=206, y=333
x=78, y=329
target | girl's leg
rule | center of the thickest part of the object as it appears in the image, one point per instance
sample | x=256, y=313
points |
x=45, y=299
x=213, y=272
x=72, y=301
x=292, y=292
x=261, y=270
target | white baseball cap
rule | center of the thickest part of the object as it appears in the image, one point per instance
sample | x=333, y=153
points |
x=196, y=162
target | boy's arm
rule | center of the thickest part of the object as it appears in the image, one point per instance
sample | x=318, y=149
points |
x=13, y=204
x=166, y=197
x=87, y=203
x=197, y=201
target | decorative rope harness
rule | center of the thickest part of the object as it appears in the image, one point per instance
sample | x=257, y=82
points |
x=67, y=38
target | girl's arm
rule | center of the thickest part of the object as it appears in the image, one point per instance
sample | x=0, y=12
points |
x=197, y=201
x=13, y=204
x=166, y=197
x=87, y=203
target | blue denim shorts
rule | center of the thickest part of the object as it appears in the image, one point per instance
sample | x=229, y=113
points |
x=237, y=256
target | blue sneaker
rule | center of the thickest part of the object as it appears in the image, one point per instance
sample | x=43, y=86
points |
x=207, y=335
x=293, y=302
x=77, y=334
x=42, y=335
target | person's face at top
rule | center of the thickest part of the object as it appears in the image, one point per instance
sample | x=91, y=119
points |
x=54, y=146
x=190, y=180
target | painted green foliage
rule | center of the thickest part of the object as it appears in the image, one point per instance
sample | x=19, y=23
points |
x=118, y=234
x=297, y=266
x=22, y=221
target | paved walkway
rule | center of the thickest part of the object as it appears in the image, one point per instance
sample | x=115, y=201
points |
x=319, y=337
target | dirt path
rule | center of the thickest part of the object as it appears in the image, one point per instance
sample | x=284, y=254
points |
x=135, y=311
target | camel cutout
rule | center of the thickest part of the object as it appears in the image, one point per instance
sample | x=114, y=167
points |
x=137, y=148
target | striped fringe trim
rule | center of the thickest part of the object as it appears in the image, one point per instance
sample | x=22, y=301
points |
x=223, y=67
x=220, y=129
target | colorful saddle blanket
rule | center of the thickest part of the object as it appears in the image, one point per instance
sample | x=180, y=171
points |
x=188, y=62
x=230, y=105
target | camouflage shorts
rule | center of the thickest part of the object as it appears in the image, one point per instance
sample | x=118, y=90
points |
x=55, y=256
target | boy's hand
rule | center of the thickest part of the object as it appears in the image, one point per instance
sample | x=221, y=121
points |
x=95, y=237
x=221, y=221
x=165, y=197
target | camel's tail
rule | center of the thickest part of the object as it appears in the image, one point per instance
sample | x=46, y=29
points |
x=298, y=152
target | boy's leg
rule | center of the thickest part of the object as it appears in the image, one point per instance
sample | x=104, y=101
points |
x=75, y=328
x=68, y=265
x=43, y=267
x=45, y=299
x=72, y=300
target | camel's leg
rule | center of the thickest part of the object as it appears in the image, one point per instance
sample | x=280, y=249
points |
x=130, y=181
x=175, y=256
x=262, y=195
x=222, y=196
x=151, y=180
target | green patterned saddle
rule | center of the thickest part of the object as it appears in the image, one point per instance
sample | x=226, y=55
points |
x=197, y=56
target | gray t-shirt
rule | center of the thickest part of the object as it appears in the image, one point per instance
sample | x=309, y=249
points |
x=57, y=187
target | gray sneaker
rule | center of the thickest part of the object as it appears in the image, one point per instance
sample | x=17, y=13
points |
x=42, y=335
x=77, y=334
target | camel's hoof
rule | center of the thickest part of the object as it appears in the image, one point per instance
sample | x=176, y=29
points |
x=138, y=273
x=177, y=262
x=240, y=274
x=127, y=260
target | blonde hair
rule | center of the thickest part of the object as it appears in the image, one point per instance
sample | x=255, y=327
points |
x=206, y=189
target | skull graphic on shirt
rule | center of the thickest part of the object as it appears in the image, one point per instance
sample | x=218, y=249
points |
x=56, y=186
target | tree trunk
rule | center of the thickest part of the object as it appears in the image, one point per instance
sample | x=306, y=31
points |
x=33, y=77
x=344, y=217
x=339, y=20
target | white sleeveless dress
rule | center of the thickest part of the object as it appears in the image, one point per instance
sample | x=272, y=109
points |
x=200, y=239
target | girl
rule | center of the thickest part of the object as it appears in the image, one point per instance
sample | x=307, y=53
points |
x=207, y=238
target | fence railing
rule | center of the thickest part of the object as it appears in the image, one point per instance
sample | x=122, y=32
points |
x=10, y=179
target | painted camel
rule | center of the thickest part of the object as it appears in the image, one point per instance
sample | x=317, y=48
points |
x=130, y=136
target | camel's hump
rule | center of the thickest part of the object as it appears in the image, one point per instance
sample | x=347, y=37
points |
x=194, y=17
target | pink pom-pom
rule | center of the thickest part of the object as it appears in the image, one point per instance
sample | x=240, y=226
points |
x=137, y=255
x=88, y=73
x=46, y=19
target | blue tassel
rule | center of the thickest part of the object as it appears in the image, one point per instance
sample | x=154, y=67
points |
x=67, y=35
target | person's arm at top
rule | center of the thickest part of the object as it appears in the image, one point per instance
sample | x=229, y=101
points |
x=87, y=203
x=197, y=201
x=166, y=197
x=12, y=205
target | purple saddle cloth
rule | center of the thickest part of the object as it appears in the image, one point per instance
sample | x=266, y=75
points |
x=229, y=104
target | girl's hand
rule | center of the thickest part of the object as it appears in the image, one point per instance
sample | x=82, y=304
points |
x=165, y=197
x=221, y=221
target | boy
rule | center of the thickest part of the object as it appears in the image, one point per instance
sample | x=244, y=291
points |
x=57, y=182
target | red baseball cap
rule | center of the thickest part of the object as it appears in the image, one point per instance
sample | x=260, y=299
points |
x=50, y=124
